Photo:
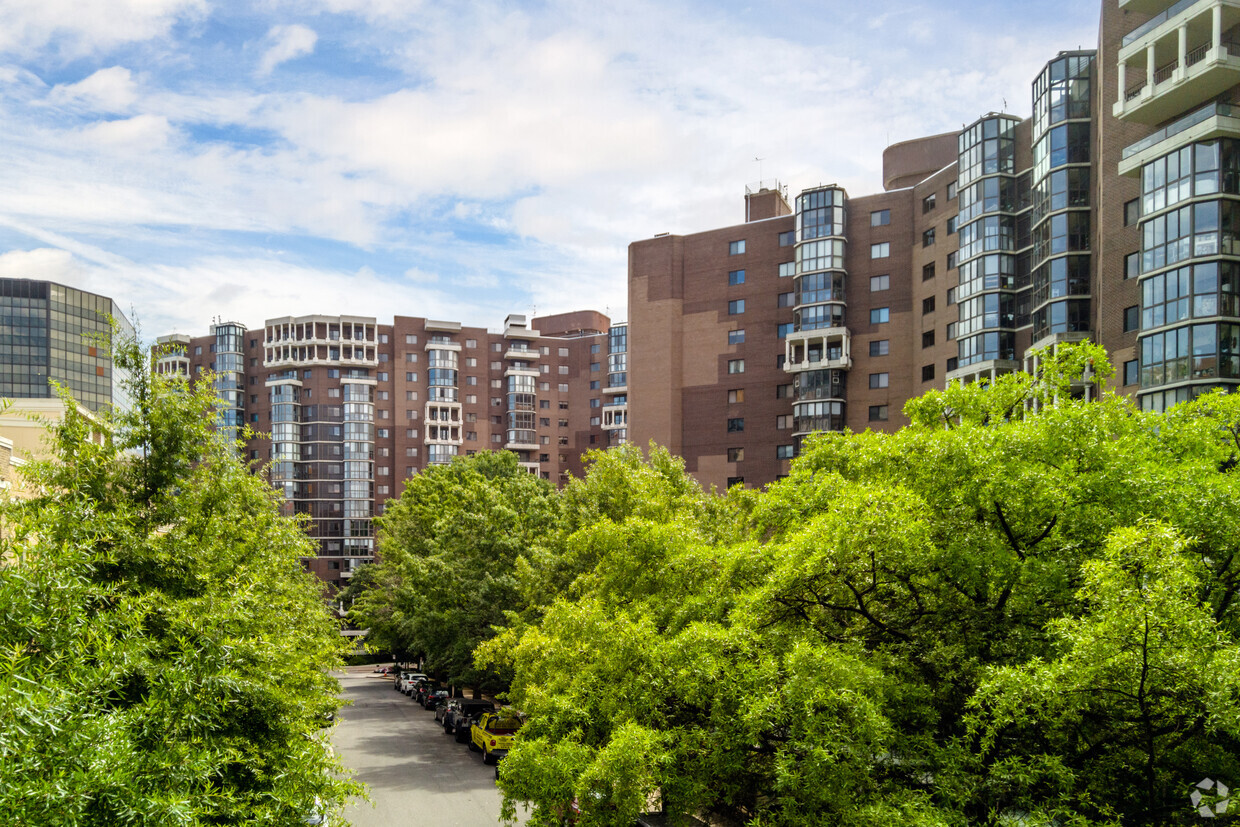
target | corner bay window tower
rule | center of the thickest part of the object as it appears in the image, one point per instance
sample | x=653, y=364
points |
x=818, y=348
x=1061, y=259
x=990, y=274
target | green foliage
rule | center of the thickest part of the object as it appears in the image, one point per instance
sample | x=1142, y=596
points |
x=448, y=548
x=1021, y=609
x=163, y=656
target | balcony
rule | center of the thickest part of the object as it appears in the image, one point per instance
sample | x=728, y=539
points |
x=828, y=347
x=1144, y=6
x=517, y=352
x=1177, y=60
x=1213, y=120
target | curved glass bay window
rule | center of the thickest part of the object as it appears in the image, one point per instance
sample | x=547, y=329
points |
x=1061, y=222
x=1190, y=280
x=230, y=378
x=987, y=226
x=819, y=289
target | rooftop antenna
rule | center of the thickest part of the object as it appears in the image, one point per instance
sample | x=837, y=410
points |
x=759, y=160
x=1005, y=104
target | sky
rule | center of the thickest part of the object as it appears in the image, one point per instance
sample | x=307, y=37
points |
x=200, y=160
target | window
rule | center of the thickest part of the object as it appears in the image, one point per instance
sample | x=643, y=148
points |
x=544, y=404
x=927, y=203
x=787, y=239
x=411, y=376
x=879, y=283
x=383, y=376
x=497, y=347
x=879, y=380
x=927, y=272
x=927, y=305
x=735, y=481
x=736, y=425
x=927, y=339
x=411, y=357
x=951, y=296
x=594, y=367
x=384, y=433
x=562, y=387
x=562, y=370
x=1132, y=371
x=595, y=403
x=779, y=361
x=736, y=277
x=882, y=250
x=783, y=422
x=927, y=373
x=880, y=218
x=878, y=413
x=736, y=366
x=1132, y=318
x=951, y=225
x=736, y=454
x=880, y=347
x=952, y=258
x=563, y=351
x=595, y=384
x=736, y=337
x=736, y=395
x=471, y=343
x=927, y=238
x=951, y=190
x=787, y=269
x=783, y=452
x=735, y=248
x=1132, y=265
x=1132, y=212
x=785, y=300
x=880, y=315
x=782, y=331
x=736, y=307
x=951, y=331
x=783, y=391
x=951, y=364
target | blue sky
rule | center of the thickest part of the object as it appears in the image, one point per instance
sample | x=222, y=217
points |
x=458, y=161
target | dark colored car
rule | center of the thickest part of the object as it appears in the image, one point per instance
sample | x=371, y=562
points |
x=459, y=718
x=433, y=700
x=422, y=689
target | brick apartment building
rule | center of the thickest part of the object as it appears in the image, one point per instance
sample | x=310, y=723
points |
x=344, y=408
x=1111, y=214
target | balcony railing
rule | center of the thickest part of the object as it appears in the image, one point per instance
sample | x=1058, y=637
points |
x=1156, y=21
x=1187, y=122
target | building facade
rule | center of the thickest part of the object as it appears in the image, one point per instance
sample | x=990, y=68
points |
x=342, y=409
x=1109, y=214
x=50, y=332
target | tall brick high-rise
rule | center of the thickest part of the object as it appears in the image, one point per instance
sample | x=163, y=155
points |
x=344, y=408
x=1110, y=214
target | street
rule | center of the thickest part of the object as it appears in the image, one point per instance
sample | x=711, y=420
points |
x=416, y=775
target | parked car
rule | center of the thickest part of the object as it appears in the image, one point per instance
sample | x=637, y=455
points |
x=460, y=713
x=422, y=688
x=408, y=678
x=493, y=733
x=433, y=700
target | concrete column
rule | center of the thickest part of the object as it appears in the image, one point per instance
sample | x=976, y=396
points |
x=1149, y=67
x=1216, y=29
x=1123, y=81
x=1181, y=65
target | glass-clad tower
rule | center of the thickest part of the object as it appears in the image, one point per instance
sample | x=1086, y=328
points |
x=989, y=201
x=615, y=394
x=229, y=369
x=1061, y=258
x=817, y=351
x=54, y=332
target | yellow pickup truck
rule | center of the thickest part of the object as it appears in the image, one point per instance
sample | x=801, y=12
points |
x=492, y=734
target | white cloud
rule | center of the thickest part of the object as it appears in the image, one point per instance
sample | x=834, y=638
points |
x=107, y=90
x=287, y=43
x=82, y=28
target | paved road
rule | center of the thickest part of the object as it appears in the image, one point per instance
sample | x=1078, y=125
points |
x=416, y=774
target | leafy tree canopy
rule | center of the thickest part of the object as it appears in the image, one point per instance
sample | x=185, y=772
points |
x=163, y=655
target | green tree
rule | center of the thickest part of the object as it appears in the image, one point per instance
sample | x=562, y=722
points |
x=163, y=655
x=887, y=634
x=448, y=547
